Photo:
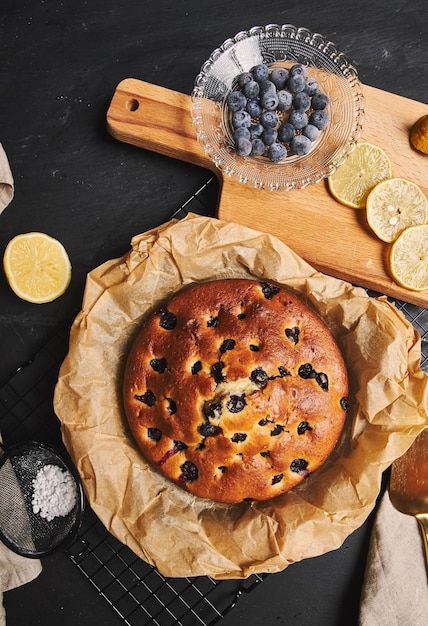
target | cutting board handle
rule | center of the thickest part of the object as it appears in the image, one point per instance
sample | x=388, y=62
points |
x=157, y=119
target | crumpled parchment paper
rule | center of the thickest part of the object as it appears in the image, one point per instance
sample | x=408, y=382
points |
x=187, y=536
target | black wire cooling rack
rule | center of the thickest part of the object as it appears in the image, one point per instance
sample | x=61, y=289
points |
x=136, y=590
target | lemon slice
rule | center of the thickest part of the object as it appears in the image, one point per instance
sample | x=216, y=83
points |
x=419, y=134
x=394, y=205
x=37, y=267
x=366, y=166
x=409, y=258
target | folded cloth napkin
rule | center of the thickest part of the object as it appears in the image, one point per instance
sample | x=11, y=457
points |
x=15, y=570
x=6, y=181
x=395, y=589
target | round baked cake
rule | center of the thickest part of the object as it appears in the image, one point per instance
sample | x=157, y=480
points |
x=235, y=390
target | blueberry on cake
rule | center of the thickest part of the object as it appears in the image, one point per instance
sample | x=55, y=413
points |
x=235, y=390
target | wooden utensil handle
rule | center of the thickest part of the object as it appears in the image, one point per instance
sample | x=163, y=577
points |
x=423, y=524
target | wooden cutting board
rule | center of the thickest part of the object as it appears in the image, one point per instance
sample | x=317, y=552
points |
x=334, y=239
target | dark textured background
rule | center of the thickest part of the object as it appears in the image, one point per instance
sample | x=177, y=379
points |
x=60, y=62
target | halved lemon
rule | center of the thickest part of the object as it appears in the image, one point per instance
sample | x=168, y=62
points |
x=394, y=205
x=37, y=267
x=409, y=258
x=366, y=166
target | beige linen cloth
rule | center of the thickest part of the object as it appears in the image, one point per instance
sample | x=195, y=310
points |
x=15, y=570
x=6, y=181
x=395, y=590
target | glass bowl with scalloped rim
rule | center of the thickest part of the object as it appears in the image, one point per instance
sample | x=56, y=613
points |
x=278, y=46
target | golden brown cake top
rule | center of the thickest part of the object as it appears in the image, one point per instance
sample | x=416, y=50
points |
x=235, y=390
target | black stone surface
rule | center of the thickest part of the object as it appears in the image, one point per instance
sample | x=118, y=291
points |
x=60, y=63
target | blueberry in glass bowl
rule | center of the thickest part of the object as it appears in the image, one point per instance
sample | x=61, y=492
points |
x=294, y=85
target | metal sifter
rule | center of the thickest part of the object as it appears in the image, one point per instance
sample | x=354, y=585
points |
x=41, y=499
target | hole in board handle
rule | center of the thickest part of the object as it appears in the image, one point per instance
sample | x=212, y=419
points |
x=132, y=105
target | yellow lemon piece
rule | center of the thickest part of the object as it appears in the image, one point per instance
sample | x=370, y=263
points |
x=409, y=258
x=419, y=134
x=37, y=267
x=366, y=166
x=394, y=205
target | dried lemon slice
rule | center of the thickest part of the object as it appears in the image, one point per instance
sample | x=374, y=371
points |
x=394, y=205
x=419, y=134
x=409, y=258
x=366, y=166
x=37, y=267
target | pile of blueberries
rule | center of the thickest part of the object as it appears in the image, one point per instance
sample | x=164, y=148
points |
x=276, y=112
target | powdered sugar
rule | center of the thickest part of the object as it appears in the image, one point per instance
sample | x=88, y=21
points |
x=54, y=492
